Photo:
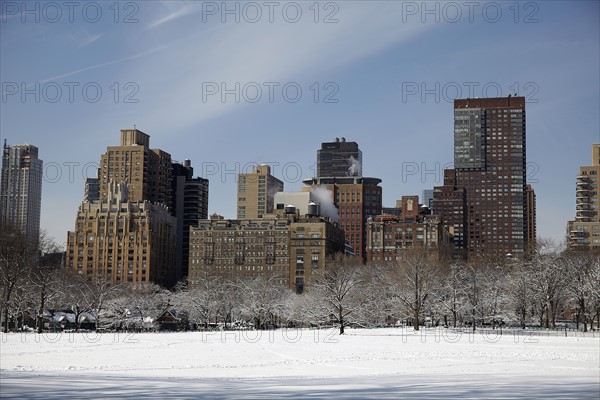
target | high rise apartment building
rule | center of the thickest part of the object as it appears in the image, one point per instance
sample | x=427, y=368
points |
x=357, y=198
x=189, y=205
x=256, y=192
x=126, y=232
x=21, y=189
x=584, y=231
x=490, y=165
x=146, y=171
x=339, y=159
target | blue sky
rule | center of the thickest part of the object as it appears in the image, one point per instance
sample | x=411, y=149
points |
x=382, y=73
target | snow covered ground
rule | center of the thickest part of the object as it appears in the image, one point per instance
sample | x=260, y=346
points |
x=374, y=363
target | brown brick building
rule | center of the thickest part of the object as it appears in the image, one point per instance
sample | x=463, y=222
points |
x=289, y=247
x=490, y=165
x=388, y=236
x=357, y=199
x=450, y=202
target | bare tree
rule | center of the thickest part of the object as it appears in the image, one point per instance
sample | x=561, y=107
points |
x=418, y=275
x=520, y=293
x=382, y=284
x=262, y=299
x=593, y=287
x=579, y=268
x=494, y=291
x=90, y=295
x=132, y=305
x=337, y=292
x=16, y=258
x=452, y=292
x=549, y=280
x=204, y=300
x=46, y=277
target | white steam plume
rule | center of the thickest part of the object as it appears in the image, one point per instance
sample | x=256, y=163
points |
x=324, y=197
x=354, y=168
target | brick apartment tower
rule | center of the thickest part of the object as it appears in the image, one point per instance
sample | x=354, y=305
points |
x=339, y=169
x=21, y=189
x=490, y=166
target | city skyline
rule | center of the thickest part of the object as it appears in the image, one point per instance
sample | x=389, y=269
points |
x=393, y=76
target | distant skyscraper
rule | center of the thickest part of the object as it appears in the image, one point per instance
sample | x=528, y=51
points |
x=490, y=166
x=339, y=170
x=21, y=188
x=584, y=231
x=129, y=234
x=189, y=205
x=146, y=171
x=339, y=159
x=256, y=192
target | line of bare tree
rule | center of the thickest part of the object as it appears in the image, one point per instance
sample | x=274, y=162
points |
x=416, y=289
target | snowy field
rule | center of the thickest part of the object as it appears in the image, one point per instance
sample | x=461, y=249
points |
x=377, y=363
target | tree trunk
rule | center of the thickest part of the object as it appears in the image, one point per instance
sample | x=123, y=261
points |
x=582, y=308
x=6, y=320
x=39, y=320
x=77, y=315
x=416, y=319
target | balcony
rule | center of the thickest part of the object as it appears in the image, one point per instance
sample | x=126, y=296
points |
x=578, y=234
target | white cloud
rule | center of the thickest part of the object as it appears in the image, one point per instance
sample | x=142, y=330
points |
x=264, y=52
